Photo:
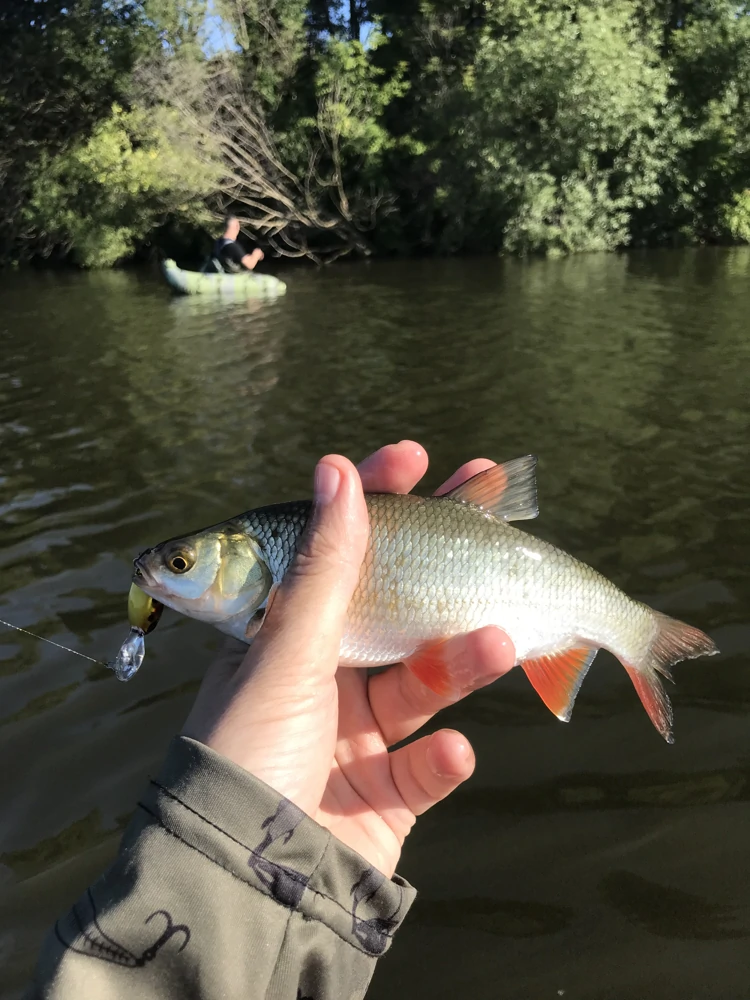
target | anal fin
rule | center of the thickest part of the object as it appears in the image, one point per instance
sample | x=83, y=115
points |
x=557, y=677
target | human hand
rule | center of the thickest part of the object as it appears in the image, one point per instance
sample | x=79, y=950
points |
x=319, y=734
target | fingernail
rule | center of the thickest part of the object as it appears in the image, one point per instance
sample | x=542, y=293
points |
x=327, y=481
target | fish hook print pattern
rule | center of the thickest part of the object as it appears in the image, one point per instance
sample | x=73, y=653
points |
x=94, y=942
x=372, y=930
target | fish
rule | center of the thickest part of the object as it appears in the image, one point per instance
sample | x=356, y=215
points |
x=436, y=567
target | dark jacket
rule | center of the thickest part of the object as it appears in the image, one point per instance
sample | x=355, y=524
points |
x=229, y=253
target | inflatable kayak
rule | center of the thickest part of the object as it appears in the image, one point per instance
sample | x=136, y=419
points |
x=231, y=286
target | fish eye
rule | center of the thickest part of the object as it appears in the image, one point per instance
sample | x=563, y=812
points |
x=180, y=560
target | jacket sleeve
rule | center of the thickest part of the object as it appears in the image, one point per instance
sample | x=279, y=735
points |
x=223, y=889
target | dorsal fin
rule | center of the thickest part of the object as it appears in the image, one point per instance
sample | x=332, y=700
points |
x=508, y=491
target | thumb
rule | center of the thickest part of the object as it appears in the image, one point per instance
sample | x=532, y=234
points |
x=303, y=632
x=277, y=715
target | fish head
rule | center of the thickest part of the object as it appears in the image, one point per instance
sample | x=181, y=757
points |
x=213, y=575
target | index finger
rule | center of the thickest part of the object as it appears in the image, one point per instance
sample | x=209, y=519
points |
x=395, y=468
x=467, y=471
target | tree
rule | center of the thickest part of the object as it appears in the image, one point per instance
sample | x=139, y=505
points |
x=62, y=63
x=99, y=198
x=310, y=189
x=709, y=57
x=517, y=126
x=573, y=128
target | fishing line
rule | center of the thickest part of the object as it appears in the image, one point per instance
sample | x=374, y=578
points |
x=52, y=643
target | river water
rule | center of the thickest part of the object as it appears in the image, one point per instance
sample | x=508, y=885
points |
x=587, y=861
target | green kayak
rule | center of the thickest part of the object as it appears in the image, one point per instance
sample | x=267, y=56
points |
x=228, y=286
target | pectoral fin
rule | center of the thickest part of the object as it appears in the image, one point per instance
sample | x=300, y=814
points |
x=256, y=622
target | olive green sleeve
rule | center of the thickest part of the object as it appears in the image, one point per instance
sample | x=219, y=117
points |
x=222, y=888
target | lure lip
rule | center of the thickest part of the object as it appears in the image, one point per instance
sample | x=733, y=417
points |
x=144, y=611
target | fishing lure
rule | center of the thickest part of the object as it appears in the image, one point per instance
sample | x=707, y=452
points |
x=143, y=614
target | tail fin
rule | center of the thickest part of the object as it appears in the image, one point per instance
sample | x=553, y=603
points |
x=674, y=641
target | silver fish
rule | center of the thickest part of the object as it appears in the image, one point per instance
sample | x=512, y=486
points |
x=436, y=567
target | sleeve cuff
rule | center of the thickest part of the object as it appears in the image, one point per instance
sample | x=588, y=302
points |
x=238, y=822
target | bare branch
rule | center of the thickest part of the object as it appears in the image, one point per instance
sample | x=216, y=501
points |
x=204, y=107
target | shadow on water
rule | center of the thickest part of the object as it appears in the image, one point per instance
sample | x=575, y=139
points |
x=127, y=417
x=671, y=913
x=584, y=792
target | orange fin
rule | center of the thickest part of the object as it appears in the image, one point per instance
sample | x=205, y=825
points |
x=655, y=700
x=674, y=641
x=508, y=491
x=429, y=664
x=557, y=678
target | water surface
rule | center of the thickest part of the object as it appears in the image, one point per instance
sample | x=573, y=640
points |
x=588, y=861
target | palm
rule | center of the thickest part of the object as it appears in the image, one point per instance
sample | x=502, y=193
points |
x=361, y=804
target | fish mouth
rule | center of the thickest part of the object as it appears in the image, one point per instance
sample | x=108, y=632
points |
x=141, y=575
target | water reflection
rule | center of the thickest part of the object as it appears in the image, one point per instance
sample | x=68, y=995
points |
x=80, y=836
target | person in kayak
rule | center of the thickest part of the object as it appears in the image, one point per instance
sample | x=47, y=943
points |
x=260, y=861
x=230, y=254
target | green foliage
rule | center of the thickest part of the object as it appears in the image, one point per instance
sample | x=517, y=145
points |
x=710, y=61
x=103, y=196
x=573, y=126
x=62, y=63
x=353, y=95
x=179, y=25
x=272, y=35
x=736, y=217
